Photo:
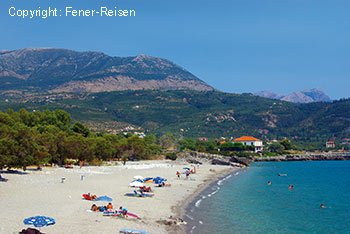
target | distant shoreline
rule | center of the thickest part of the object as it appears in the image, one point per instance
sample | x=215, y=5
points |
x=306, y=157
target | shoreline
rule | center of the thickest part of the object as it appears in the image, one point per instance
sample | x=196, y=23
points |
x=63, y=201
x=181, y=208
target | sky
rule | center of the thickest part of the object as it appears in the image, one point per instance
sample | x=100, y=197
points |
x=236, y=46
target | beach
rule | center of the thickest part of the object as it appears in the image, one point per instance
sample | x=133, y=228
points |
x=43, y=193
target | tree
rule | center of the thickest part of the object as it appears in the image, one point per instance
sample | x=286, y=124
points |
x=63, y=119
x=103, y=148
x=187, y=144
x=78, y=127
x=41, y=156
x=276, y=147
x=230, y=146
x=167, y=141
x=286, y=144
x=7, y=152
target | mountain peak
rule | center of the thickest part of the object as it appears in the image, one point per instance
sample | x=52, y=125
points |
x=63, y=70
x=304, y=96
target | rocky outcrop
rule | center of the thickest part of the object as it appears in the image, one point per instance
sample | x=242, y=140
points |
x=214, y=159
x=199, y=158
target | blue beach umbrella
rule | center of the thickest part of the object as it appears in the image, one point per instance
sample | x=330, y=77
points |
x=104, y=198
x=186, y=168
x=39, y=221
x=159, y=180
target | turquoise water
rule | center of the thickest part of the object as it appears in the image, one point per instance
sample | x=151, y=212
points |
x=244, y=203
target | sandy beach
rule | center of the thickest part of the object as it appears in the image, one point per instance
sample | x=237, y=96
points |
x=42, y=193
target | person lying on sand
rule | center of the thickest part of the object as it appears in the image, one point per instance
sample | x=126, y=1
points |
x=94, y=208
x=92, y=197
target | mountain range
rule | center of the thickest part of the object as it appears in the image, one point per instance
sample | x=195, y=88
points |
x=38, y=70
x=155, y=95
x=61, y=70
x=304, y=96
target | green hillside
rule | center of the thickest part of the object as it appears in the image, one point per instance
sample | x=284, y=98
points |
x=206, y=114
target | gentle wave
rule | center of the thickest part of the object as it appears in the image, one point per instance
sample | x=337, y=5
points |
x=198, y=203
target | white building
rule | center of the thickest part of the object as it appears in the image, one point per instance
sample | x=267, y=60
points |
x=248, y=140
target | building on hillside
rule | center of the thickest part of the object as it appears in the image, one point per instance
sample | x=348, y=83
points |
x=248, y=140
x=330, y=144
x=346, y=141
x=202, y=138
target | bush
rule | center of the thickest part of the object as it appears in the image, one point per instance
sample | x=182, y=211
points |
x=269, y=154
x=171, y=156
x=96, y=162
x=245, y=154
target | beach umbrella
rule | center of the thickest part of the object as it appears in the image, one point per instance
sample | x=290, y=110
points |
x=138, y=177
x=104, y=198
x=186, y=168
x=141, y=181
x=136, y=184
x=159, y=180
x=39, y=221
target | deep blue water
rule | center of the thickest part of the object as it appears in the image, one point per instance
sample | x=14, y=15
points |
x=244, y=203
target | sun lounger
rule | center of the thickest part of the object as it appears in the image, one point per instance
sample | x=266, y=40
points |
x=132, y=231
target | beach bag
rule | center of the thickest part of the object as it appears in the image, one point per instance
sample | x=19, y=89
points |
x=31, y=231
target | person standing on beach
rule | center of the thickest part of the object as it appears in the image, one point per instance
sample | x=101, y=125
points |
x=187, y=174
x=178, y=174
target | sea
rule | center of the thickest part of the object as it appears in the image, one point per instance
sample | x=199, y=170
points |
x=243, y=202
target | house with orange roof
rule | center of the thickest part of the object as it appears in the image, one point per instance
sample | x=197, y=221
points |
x=248, y=140
x=330, y=144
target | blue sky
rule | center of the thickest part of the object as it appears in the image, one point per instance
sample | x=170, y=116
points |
x=235, y=46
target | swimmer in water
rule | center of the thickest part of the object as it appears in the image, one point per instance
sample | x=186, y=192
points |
x=269, y=183
x=291, y=187
x=322, y=206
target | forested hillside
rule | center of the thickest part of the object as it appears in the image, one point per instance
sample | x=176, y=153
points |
x=202, y=114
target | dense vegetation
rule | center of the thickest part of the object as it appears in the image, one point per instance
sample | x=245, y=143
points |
x=37, y=138
x=230, y=148
x=207, y=114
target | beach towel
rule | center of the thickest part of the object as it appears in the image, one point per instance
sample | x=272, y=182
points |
x=104, y=198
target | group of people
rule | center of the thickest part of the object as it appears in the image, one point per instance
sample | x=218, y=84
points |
x=96, y=208
x=122, y=211
x=188, y=172
x=291, y=187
